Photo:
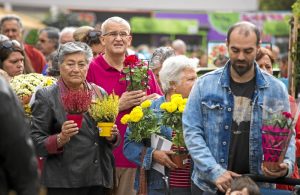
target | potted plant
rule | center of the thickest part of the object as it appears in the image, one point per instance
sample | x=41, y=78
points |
x=25, y=85
x=142, y=122
x=172, y=117
x=104, y=112
x=75, y=103
x=136, y=73
x=276, y=135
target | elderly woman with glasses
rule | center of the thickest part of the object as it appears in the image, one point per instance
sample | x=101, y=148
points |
x=178, y=75
x=77, y=160
x=11, y=57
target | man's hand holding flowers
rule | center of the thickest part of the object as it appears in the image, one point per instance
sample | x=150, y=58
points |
x=130, y=99
x=281, y=172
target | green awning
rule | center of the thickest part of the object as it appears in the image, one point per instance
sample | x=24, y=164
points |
x=276, y=28
x=163, y=26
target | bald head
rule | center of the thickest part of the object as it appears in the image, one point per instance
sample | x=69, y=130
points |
x=179, y=46
x=244, y=28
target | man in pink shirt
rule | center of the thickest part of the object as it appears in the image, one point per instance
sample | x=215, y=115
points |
x=106, y=71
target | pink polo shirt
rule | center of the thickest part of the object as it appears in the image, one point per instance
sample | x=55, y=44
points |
x=107, y=77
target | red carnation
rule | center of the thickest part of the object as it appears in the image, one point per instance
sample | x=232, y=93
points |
x=131, y=60
x=287, y=114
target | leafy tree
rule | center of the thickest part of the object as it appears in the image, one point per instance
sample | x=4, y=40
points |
x=269, y=5
x=63, y=20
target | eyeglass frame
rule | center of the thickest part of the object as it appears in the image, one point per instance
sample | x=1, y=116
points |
x=118, y=33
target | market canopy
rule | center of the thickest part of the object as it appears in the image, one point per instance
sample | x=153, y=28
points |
x=27, y=21
x=163, y=26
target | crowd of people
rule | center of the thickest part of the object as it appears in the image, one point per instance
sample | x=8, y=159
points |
x=222, y=120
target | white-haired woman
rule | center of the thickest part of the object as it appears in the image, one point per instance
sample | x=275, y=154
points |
x=177, y=76
x=77, y=160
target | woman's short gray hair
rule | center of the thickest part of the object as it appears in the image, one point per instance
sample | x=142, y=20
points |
x=172, y=69
x=115, y=19
x=160, y=55
x=74, y=47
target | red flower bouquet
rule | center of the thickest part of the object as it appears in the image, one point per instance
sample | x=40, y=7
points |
x=75, y=103
x=136, y=73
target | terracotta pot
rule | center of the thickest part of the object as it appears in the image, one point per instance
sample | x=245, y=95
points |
x=77, y=118
x=272, y=166
x=105, y=128
x=180, y=160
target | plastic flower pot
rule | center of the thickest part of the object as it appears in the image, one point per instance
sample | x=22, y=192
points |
x=77, y=118
x=180, y=159
x=105, y=128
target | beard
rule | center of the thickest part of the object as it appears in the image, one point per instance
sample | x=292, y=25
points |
x=241, y=67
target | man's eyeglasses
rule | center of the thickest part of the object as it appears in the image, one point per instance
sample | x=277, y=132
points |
x=9, y=44
x=115, y=34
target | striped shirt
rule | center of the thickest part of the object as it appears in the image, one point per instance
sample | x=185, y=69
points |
x=180, y=178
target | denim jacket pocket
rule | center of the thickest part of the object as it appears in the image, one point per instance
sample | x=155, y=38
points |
x=268, y=111
x=213, y=120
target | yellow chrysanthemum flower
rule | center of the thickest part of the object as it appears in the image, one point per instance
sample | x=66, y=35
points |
x=176, y=96
x=136, y=115
x=146, y=104
x=171, y=107
x=125, y=119
x=181, y=108
x=163, y=106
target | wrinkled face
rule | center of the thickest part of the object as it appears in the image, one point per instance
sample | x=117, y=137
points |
x=266, y=64
x=14, y=64
x=97, y=49
x=73, y=70
x=12, y=30
x=242, y=51
x=184, y=86
x=116, y=39
x=45, y=45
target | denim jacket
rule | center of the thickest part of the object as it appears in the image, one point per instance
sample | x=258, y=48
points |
x=207, y=124
x=133, y=150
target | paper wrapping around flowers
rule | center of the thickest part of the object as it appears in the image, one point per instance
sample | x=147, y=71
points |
x=275, y=141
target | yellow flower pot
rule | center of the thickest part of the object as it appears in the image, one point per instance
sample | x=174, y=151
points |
x=105, y=128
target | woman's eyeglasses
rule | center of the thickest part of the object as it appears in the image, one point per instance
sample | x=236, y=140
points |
x=93, y=37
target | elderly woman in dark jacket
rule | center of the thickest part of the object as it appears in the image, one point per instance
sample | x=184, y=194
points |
x=77, y=160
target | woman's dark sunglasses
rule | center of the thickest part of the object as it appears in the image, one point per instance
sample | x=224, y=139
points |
x=93, y=37
x=9, y=44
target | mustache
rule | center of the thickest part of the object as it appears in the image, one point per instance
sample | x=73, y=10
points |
x=240, y=61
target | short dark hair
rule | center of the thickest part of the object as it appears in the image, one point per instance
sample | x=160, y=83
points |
x=53, y=34
x=246, y=27
x=239, y=183
x=10, y=17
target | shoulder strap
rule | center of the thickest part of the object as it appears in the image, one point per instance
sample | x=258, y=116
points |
x=97, y=91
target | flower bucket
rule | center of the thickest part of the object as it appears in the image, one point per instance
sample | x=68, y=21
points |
x=105, y=128
x=275, y=141
x=77, y=118
x=180, y=160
